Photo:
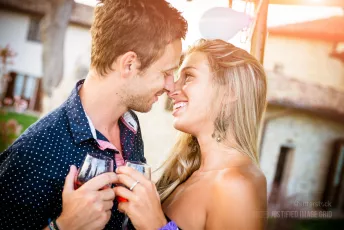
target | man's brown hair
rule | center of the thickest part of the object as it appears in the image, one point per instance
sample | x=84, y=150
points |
x=142, y=26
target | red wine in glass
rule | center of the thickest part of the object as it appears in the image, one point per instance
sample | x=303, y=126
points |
x=78, y=184
x=93, y=165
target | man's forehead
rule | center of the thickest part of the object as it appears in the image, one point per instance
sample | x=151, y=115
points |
x=172, y=55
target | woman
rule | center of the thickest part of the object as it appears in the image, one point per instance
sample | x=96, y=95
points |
x=212, y=179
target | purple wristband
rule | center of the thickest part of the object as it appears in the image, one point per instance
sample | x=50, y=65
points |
x=170, y=226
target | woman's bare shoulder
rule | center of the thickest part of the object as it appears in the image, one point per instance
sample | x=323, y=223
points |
x=245, y=181
x=241, y=194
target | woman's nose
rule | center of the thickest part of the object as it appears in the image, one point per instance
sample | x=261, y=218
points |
x=174, y=94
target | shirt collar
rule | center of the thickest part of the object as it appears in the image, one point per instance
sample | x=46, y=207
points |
x=81, y=125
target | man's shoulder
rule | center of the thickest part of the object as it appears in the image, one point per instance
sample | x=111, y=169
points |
x=54, y=119
x=41, y=129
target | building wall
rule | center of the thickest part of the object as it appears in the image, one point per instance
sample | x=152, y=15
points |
x=306, y=60
x=13, y=31
x=312, y=138
x=77, y=53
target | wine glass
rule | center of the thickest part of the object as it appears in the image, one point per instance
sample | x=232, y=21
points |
x=93, y=165
x=146, y=171
x=141, y=167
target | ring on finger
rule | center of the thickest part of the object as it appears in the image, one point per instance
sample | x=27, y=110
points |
x=133, y=186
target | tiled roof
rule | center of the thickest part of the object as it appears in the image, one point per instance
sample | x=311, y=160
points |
x=81, y=15
x=327, y=29
x=293, y=93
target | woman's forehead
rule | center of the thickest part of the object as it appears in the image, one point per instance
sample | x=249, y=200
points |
x=197, y=60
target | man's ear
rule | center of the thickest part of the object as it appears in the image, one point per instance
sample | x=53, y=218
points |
x=128, y=63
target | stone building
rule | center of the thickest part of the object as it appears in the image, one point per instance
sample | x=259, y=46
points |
x=20, y=29
x=302, y=146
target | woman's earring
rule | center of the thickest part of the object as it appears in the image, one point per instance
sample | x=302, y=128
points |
x=218, y=139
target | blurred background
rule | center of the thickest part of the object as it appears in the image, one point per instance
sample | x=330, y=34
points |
x=45, y=50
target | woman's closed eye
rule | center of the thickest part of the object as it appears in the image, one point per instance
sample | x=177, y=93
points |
x=188, y=78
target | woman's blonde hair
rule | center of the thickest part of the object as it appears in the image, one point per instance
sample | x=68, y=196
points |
x=236, y=74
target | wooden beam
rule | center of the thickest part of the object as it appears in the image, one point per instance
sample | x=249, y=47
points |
x=260, y=30
x=338, y=3
x=230, y=3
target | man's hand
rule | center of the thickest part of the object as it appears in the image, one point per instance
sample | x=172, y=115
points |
x=88, y=207
x=143, y=206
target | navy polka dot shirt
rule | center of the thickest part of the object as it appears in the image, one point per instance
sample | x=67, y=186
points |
x=33, y=169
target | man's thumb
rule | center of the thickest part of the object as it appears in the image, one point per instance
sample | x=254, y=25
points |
x=69, y=182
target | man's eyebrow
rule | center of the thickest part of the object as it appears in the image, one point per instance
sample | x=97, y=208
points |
x=170, y=69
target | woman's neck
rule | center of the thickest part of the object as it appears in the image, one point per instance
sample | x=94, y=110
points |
x=216, y=155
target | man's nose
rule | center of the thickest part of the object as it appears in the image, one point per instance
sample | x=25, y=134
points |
x=169, y=84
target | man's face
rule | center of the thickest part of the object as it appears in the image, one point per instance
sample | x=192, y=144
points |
x=144, y=89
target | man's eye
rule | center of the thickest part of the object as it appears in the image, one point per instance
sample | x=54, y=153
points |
x=167, y=74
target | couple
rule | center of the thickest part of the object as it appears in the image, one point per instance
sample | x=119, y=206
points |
x=211, y=180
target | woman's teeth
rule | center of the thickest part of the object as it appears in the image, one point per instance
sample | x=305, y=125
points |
x=179, y=105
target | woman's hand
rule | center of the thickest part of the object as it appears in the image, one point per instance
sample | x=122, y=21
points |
x=143, y=206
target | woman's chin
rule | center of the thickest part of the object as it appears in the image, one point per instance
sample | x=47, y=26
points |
x=180, y=126
x=176, y=124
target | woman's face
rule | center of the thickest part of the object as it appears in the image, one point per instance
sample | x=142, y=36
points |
x=193, y=96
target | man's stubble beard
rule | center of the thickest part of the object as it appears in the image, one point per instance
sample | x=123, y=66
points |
x=137, y=102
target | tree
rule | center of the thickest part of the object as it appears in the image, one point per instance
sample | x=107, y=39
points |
x=53, y=31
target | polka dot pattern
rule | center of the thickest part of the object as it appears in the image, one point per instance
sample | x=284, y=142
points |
x=33, y=169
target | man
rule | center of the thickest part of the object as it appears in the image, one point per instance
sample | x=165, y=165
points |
x=136, y=46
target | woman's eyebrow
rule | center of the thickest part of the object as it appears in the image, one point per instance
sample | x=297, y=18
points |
x=186, y=68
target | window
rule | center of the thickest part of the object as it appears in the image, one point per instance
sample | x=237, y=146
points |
x=34, y=33
x=25, y=86
x=281, y=169
x=334, y=188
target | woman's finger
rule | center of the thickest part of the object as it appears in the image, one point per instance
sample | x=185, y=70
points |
x=128, y=181
x=133, y=173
